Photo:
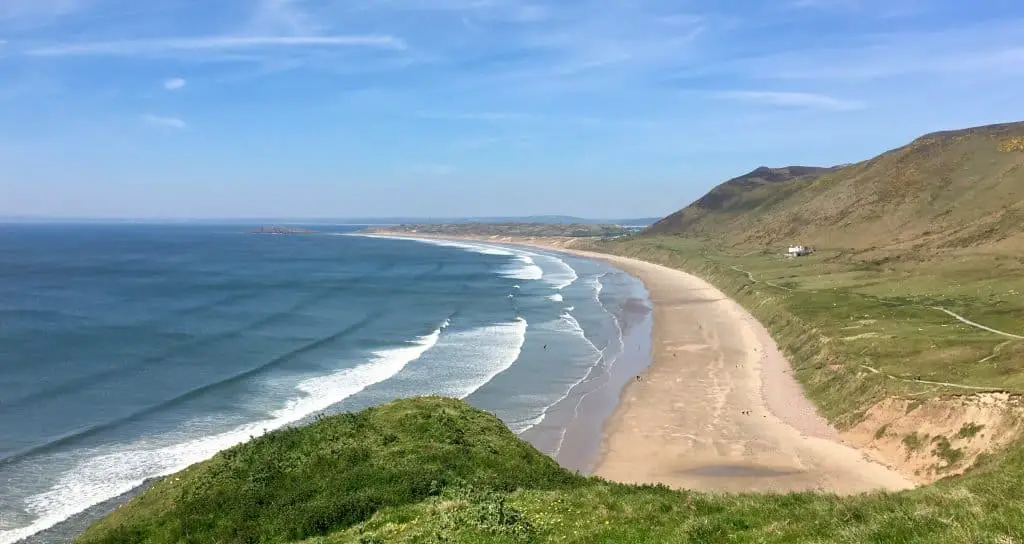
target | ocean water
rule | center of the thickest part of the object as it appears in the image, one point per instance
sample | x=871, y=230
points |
x=129, y=352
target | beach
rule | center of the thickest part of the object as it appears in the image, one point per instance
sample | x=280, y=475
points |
x=719, y=409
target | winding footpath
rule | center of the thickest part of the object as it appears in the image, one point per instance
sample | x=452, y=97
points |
x=977, y=325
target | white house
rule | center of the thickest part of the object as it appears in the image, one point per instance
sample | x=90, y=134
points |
x=798, y=251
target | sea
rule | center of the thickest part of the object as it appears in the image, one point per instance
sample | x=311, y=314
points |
x=131, y=351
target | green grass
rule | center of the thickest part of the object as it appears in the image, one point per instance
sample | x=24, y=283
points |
x=300, y=482
x=945, y=451
x=913, y=442
x=969, y=430
x=840, y=313
x=437, y=470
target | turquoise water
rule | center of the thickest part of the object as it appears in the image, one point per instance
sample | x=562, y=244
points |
x=131, y=351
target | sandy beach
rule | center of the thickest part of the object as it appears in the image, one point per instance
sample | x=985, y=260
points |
x=719, y=409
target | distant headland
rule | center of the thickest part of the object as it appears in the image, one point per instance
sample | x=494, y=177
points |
x=273, y=229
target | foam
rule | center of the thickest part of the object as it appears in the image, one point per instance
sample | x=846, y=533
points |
x=525, y=269
x=474, y=357
x=564, y=277
x=105, y=474
x=561, y=278
x=557, y=297
x=566, y=323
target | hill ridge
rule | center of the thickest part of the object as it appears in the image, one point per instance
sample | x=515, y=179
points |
x=948, y=190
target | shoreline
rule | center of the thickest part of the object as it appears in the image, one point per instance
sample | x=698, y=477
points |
x=718, y=409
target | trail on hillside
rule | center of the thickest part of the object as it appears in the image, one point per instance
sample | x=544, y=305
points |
x=753, y=279
x=944, y=384
x=977, y=325
x=959, y=317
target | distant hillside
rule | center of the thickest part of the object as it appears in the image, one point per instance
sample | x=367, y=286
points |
x=531, y=219
x=715, y=210
x=574, y=230
x=959, y=189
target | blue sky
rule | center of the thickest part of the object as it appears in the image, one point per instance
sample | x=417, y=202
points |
x=330, y=108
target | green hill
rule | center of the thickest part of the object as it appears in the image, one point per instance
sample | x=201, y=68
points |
x=956, y=190
x=436, y=470
x=713, y=212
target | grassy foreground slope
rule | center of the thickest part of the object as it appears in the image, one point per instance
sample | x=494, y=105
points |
x=437, y=470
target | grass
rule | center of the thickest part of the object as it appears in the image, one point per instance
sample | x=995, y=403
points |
x=913, y=442
x=300, y=482
x=969, y=430
x=437, y=470
x=946, y=452
x=835, y=313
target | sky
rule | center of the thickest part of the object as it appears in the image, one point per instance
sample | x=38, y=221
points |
x=353, y=108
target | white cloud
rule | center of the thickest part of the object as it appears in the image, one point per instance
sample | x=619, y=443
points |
x=212, y=43
x=11, y=10
x=175, y=83
x=793, y=99
x=163, y=121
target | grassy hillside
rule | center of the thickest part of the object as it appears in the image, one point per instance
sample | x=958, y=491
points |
x=947, y=191
x=437, y=470
x=715, y=211
x=301, y=482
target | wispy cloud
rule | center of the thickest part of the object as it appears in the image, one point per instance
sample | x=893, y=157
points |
x=38, y=9
x=792, y=100
x=989, y=50
x=286, y=17
x=212, y=43
x=876, y=8
x=164, y=121
x=175, y=83
x=488, y=116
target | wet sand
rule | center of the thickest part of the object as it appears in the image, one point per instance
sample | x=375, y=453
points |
x=719, y=409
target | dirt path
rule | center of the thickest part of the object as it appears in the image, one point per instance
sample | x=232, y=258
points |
x=944, y=384
x=977, y=325
x=755, y=280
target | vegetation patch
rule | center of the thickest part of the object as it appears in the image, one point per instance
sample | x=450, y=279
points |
x=969, y=430
x=943, y=450
x=912, y=441
x=881, y=432
x=1009, y=145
